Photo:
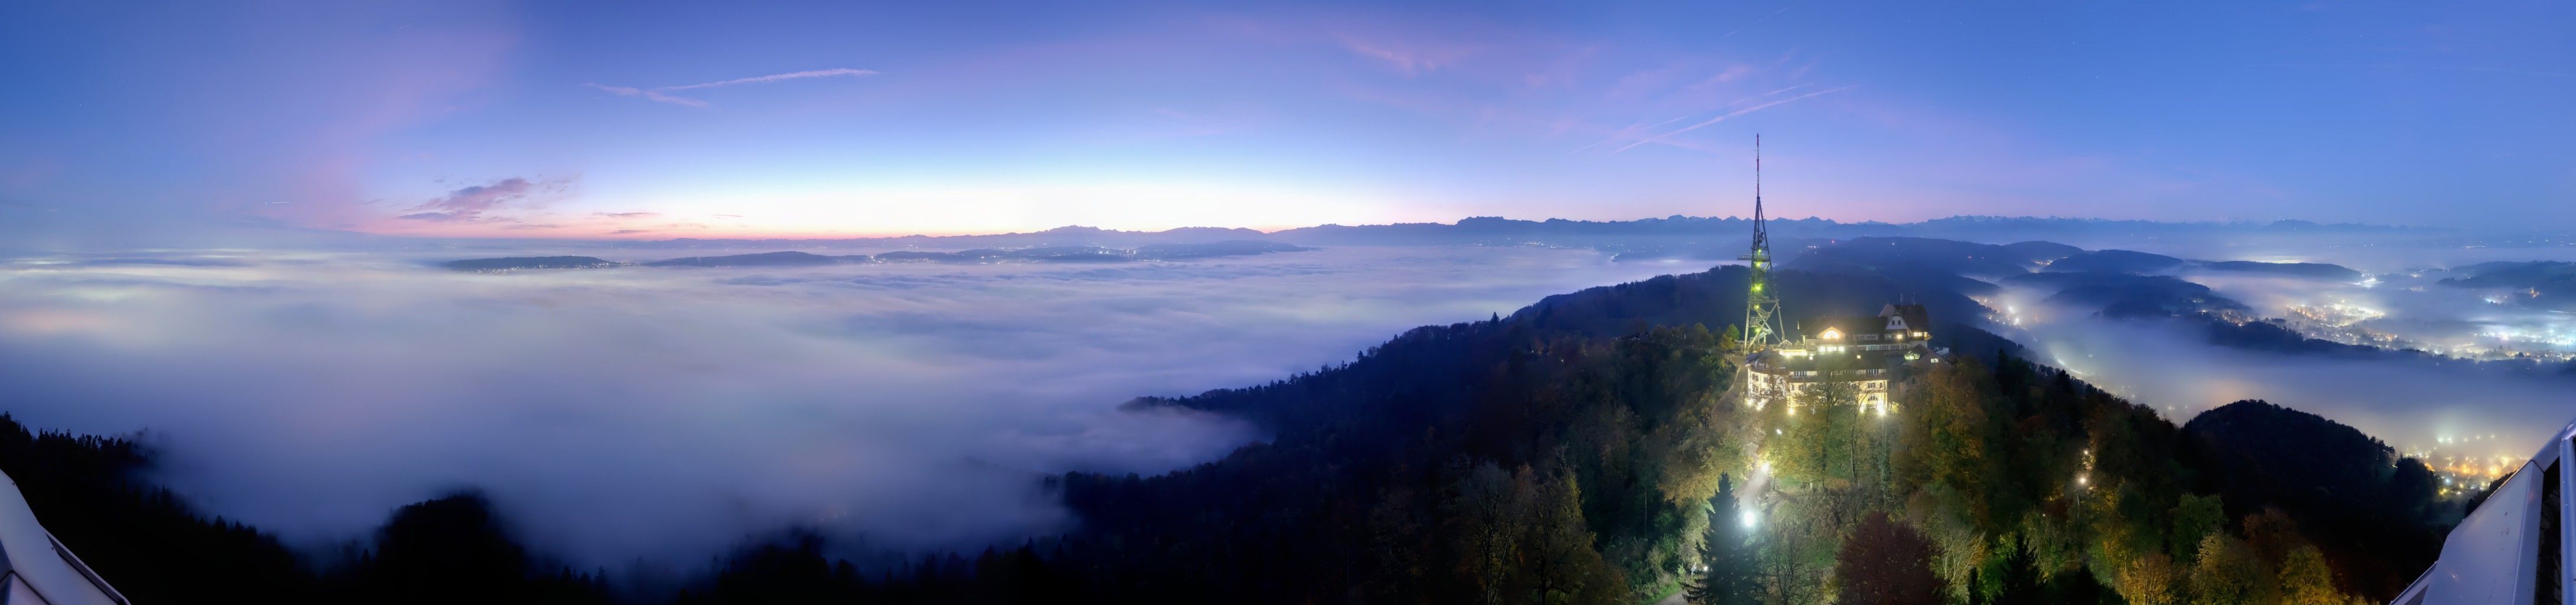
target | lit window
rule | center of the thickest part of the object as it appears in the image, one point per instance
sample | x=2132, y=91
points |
x=1831, y=334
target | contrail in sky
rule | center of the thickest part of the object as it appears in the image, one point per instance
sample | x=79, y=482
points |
x=1735, y=113
x=796, y=75
x=1783, y=8
x=657, y=93
x=1624, y=131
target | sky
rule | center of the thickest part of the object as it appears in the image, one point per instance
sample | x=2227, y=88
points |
x=663, y=120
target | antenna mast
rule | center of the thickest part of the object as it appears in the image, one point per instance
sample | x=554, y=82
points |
x=1761, y=309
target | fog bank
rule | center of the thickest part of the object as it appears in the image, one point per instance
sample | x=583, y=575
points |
x=670, y=413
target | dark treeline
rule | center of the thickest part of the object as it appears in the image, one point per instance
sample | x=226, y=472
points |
x=1572, y=452
x=2370, y=509
x=144, y=541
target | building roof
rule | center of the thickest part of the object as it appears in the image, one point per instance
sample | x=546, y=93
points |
x=1915, y=316
x=1847, y=325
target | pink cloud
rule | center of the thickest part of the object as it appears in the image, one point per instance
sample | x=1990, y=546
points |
x=470, y=203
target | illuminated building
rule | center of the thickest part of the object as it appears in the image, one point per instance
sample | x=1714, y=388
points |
x=1865, y=353
x=1862, y=352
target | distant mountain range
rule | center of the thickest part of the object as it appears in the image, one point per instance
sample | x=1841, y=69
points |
x=1652, y=238
x=791, y=258
x=487, y=265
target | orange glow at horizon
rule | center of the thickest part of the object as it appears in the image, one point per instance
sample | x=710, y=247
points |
x=827, y=212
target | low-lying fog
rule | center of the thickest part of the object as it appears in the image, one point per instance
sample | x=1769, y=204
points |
x=671, y=413
x=2450, y=409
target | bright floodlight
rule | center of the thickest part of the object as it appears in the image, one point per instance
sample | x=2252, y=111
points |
x=1747, y=518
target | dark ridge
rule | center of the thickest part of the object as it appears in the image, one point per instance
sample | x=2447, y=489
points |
x=2372, y=511
x=964, y=256
x=2116, y=261
x=2042, y=251
x=1915, y=254
x=453, y=549
x=2129, y=295
x=140, y=537
x=2545, y=284
x=529, y=262
x=765, y=259
x=2308, y=270
x=1214, y=249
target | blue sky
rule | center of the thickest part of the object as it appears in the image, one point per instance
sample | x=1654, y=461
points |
x=704, y=120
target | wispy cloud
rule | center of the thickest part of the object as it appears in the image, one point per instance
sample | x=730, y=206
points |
x=1756, y=21
x=1733, y=114
x=1627, y=132
x=661, y=94
x=2467, y=68
x=1634, y=131
x=626, y=214
x=655, y=95
x=468, y=204
x=1410, y=58
x=793, y=75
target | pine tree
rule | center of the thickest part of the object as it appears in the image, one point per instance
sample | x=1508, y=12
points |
x=1726, y=556
x=2021, y=584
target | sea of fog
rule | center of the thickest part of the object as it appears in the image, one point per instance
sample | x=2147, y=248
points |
x=667, y=414
x=2447, y=410
x=672, y=413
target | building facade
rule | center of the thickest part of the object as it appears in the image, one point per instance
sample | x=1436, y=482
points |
x=1864, y=354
